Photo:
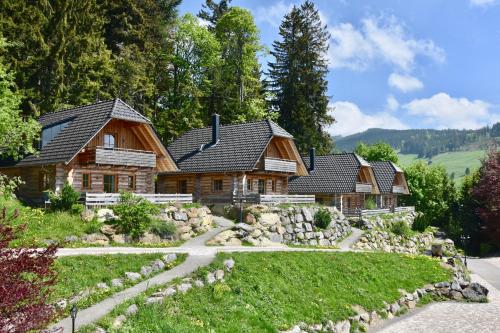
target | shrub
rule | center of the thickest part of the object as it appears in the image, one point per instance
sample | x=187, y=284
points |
x=163, y=229
x=9, y=185
x=64, y=200
x=92, y=227
x=134, y=214
x=400, y=228
x=370, y=203
x=26, y=278
x=77, y=209
x=322, y=218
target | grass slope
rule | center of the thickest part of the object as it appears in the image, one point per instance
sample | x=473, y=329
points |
x=267, y=292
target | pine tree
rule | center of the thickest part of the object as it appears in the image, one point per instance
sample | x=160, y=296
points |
x=212, y=11
x=298, y=78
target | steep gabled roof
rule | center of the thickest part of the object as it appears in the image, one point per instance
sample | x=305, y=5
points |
x=385, y=173
x=239, y=148
x=84, y=123
x=335, y=173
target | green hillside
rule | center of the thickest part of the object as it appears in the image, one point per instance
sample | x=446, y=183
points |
x=454, y=162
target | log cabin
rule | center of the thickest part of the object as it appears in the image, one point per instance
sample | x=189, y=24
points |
x=391, y=182
x=102, y=147
x=341, y=180
x=223, y=162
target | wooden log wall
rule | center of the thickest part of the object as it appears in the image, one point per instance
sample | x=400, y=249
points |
x=124, y=135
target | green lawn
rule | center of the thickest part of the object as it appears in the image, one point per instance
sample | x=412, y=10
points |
x=267, y=292
x=78, y=273
x=454, y=162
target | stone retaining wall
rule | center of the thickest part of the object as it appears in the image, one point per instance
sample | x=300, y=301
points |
x=265, y=225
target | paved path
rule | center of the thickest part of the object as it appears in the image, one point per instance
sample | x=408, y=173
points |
x=346, y=244
x=455, y=317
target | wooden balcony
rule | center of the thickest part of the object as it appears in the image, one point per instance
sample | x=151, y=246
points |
x=363, y=188
x=275, y=164
x=118, y=156
x=398, y=189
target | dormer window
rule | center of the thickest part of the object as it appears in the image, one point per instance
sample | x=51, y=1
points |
x=109, y=141
x=49, y=133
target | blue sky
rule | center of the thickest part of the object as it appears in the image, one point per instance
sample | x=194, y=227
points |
x=402, y=64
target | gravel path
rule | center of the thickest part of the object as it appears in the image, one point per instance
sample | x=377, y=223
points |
x=346, y=244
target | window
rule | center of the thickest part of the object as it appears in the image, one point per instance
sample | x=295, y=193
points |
x=86, y=181
x=109, y=141
x=131, y=183
x=262, y=186
x=49, y=133
x=273, y=185
x=182, y=186
x=217, y=185
x=110, y=184
x=44, y=181
x=250, y=185
x=348, y=202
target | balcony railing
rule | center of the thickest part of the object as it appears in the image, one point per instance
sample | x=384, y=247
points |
x=363, y=188
x=276, y=164
x=398, y=189
x=119, y=156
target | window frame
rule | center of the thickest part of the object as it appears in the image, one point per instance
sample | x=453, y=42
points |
x=261, y=187
x=116, y=178
x=134, y=182
x=89, y=181
x=273, y=185
x=250, y=185
x=182, y=185
x=43, y=181
x=215, y=185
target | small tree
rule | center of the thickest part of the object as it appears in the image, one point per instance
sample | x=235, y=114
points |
x=380, y=151
x=26, y=277
x=64, y=200
x=135, y=214
x=322, y=218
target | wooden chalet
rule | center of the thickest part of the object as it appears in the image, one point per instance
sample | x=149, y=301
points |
x=102, y=147
x=391, y=182
x=220, y=164
x=341, y=180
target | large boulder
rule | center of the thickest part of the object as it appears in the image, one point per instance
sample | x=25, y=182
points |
x=96, y=239
x=269, y=219
x=105, y=215
x=150, y=238
x=475, y=292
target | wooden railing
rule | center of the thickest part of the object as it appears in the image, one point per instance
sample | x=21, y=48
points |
x=363, y=187
x=404, y=209
x=268, y=199
x=276, y=164
x=107, y=199
x=398, y=189
x=119, y=156
x=356, y=212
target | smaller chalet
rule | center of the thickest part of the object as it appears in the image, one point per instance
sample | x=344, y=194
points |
x=341, y=180
x=222, y=163
x=102, y=147
x=391, y=182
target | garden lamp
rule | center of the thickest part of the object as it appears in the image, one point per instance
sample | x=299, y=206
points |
x=74, y=311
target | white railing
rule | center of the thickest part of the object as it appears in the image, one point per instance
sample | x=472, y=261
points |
x=398, y=189
x=129, y=157
x=404, y=209
x=107, y=199
x=275, y=164
x=284, y=198
x=363, y=187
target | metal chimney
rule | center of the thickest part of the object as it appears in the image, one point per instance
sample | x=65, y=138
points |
x=215, y=128
x=312, y=159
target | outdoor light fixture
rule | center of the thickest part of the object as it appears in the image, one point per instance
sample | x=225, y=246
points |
x=465, y=241
x=74, y=311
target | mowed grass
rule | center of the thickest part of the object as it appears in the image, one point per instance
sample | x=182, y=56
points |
x=453, y=162
x=267, y=292
x=78, y=273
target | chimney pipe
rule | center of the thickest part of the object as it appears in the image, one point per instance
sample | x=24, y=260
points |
x=312, y=159
x=215, y=128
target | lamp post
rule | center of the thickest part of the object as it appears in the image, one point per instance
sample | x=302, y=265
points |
x=465, y=241
x=74, y=311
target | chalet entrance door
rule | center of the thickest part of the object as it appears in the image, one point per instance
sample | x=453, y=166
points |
x=110, y=184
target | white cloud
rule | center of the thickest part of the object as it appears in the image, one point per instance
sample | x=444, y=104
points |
x=444, y=111
x=482, y=3
x=392, y=103
x=382, y=38
x=273, y=15
x=350, y=119
x=404, y=83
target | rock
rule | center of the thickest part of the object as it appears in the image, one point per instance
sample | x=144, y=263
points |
x=118, y=322
x=87, y=215
x=244, y=227
x=343, y=326
x=295, y=329
x=117, y=283
x=62, y=304
x=233, y=242
x=168, y=258
x=102, y=285
x=96, y=239
x=250, y=218
x=157, y=265
x=219, y=274
x=184, y=287
x=183, y=229
x=71, y=239
x=395, y=308
x=150, y=238
x=180, y=216
x=444, y=284
x=170, y=291
x=229, y=264
x=105, y=214
x=324, y=242
x=99, y=329
x=256, y=233
x=211, y=278
x=308, y=216
x=154, y=300
x=411, y=304
x=146, y=270
x=108, y=230
x=119, y=238
x=437, y=250
x=308, y=227
x=199, y=283
x=374, y=318
x=475, y=292
x=185, y=236
x=299, y=218
x=132, y=276
x=131, y=310
x=269, y=219
x=456, y=295
x=300, y=235
x=275, y=237
x=192, y=212
x=456, y=286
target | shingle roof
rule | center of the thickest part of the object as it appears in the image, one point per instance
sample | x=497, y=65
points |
x=239, y=148
x=335, y=173
x=85, y=122
x=385, y=172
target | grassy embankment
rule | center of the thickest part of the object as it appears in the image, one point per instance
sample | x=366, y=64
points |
x=267, y=292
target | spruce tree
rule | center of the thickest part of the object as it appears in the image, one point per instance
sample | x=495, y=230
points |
x=212, y=11
x=298, y=78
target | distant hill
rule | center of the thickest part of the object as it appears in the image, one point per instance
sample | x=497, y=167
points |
x=425, y=143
